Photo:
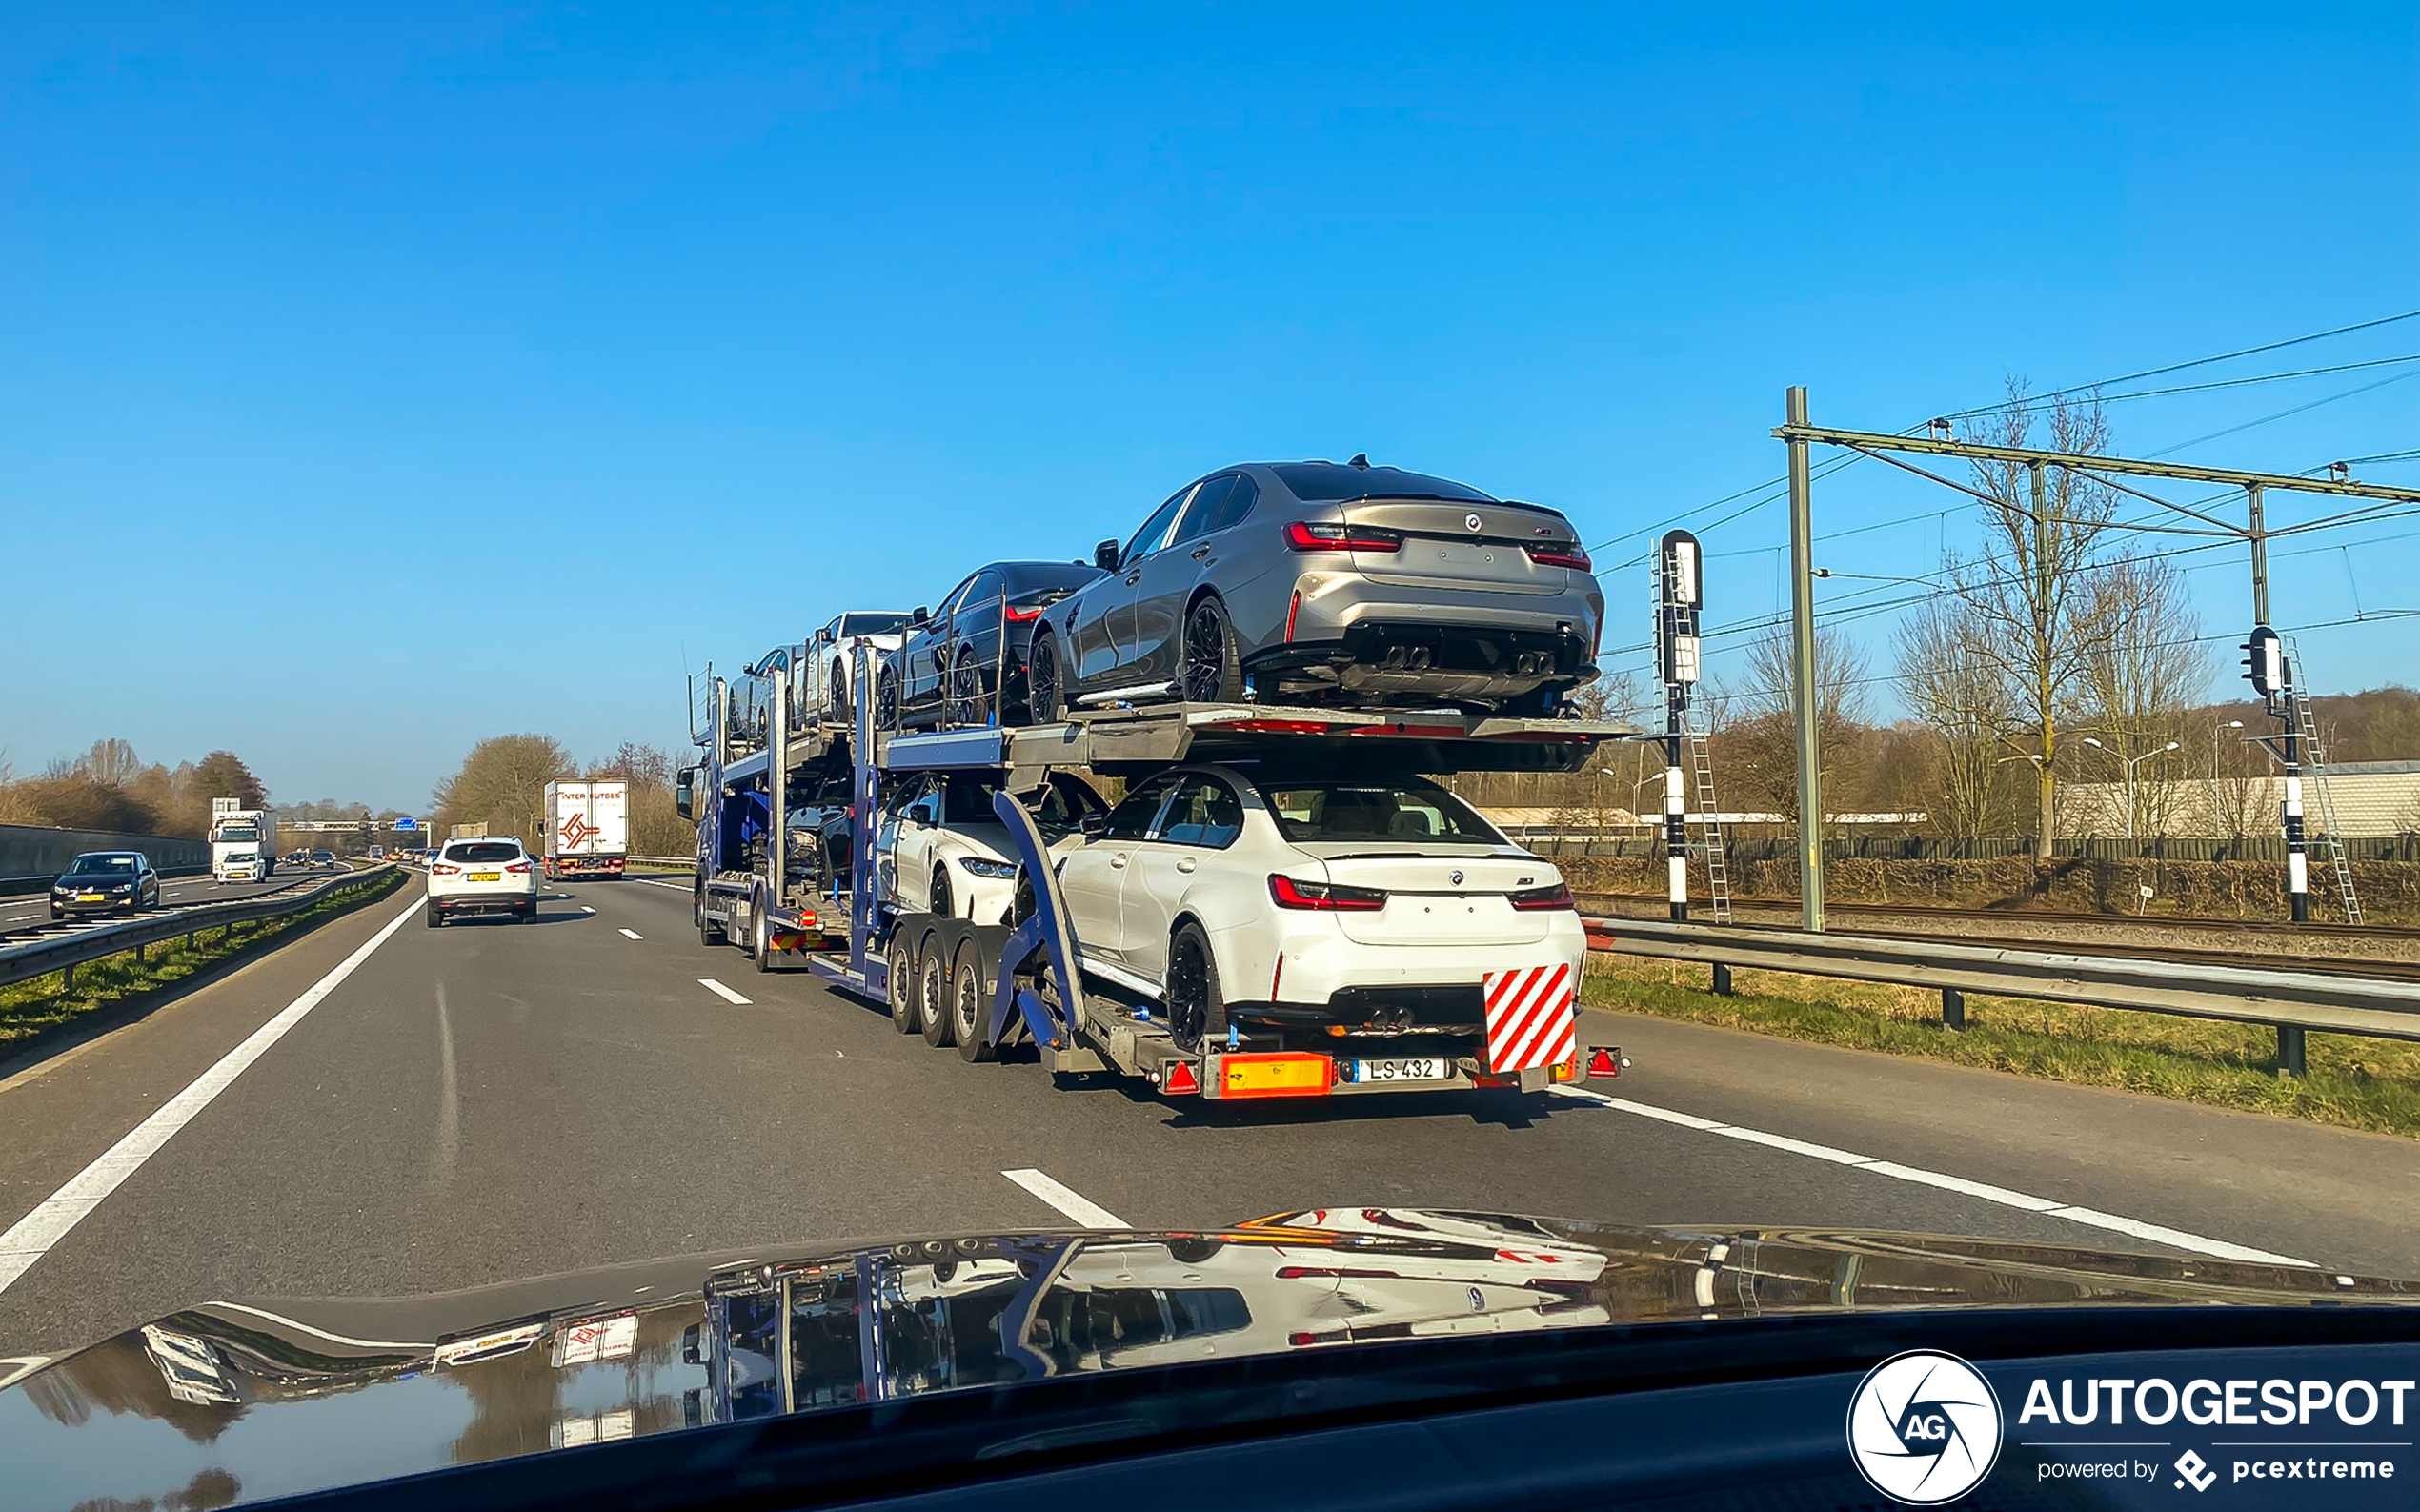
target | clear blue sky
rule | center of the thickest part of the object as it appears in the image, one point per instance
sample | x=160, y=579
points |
x=677, y=334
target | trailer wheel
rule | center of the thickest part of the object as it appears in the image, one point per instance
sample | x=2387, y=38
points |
x=902, y=987
x=1197, y=1010
x=933, y=995
x=967, y=1004
x=760, y=939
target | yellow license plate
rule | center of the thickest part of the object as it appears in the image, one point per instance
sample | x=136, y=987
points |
x=90, y=898
x=487, y=876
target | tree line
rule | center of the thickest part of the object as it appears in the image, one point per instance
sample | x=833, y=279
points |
x=2065, y=649
x=501, y=784
x=108, y=787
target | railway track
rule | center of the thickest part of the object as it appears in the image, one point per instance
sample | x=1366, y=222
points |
x=1613, y=907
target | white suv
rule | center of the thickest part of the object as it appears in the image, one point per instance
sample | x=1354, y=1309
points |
x=483, y=876
x=1364, y=917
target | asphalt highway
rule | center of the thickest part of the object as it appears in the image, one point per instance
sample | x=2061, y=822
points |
x=24, y=917
x=416, y=1110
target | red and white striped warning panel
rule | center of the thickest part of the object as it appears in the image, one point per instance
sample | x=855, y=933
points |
x=1530, y=1017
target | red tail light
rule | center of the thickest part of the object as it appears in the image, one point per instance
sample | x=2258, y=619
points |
x=517, y=866
x=441, y=869
x=1324, y=897
x=1018, y=616
x=1531, y=899
x=1293, y=607
x=1303, y=536
x=1574, y=556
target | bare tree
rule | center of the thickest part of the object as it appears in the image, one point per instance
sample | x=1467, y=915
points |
x=502, y=784
x=1960, y=692
x=1761, y=743
x=2029, y=590
x=2143, y=673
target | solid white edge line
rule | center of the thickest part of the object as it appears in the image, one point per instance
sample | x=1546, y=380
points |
x=34, y=1235
x=649, y=881
x=1984, y=1191
x=1074, y=1204
x=631, y=934
x=722, y=992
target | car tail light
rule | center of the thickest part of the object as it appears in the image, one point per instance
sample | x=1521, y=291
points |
x=1293, y=607
x=443, y=869
x=1305, y=536
x=1324, y=897
x=1573, y=555
x=1018, y=616
x=1530, y=898
x=517, y=866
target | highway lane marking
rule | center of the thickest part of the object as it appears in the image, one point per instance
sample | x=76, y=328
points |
x=720, y=991
x=1984, y=1191
x=628, y=933
x=585, y=909
x=649, y=881
x=316, y=1332
x=37, y=1233
x=1068, y=1200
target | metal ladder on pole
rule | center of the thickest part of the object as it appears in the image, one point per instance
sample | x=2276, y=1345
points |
x=1709, y=824
x=2315, y=778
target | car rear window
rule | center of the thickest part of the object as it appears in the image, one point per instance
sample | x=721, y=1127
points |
x=1376, y=811
x=1319, y=482
x=1021, y=578
x=90, y=865
x=483, y=851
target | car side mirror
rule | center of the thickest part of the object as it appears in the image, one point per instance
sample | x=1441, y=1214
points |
x=685, y=794
x=1105, y=556
x=823, y=638
x=921, y=617
x=1093, y=824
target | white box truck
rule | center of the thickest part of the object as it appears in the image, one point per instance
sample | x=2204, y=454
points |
x=587, y=829
x=243, y=842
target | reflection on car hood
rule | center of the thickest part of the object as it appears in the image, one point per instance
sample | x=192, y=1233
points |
x=228, y=1401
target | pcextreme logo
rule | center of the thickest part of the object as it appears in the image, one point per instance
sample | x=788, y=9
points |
x=1924, y=1427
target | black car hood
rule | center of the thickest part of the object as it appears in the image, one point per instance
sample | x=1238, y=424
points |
x=232, y=1401
x=95, y=882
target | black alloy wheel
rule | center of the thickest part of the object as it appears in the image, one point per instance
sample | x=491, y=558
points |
x=886, y=702
x=1211, y=673
x=1045, y=697
x=933, y=997
x=843, y=708
x=968, y=1009
x=940, y=889
x=1197, y=1010
x=967, y=705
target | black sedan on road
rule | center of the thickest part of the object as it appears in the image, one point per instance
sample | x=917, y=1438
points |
x=103, y=881
x=964, y=663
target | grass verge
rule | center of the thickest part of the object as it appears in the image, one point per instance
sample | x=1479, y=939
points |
x=2353, y=1083
x=36, y=1009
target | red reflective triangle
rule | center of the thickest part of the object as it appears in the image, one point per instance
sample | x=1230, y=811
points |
x=1600, y=1063
x=1180, y=1078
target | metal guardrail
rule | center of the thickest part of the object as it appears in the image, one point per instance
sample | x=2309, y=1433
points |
x=27, y=886
x=2290, y=1001
x=42, y=957
x=662, y=861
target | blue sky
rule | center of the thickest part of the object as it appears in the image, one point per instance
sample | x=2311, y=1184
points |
x=690, y=331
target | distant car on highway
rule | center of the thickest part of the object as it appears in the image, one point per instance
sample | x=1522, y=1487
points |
x=327, y=861
x=964, y=662
x=104, y=881
x=483, y=876
x=1358, y=585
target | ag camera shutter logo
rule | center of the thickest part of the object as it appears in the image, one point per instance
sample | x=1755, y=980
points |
x=1924, y=1427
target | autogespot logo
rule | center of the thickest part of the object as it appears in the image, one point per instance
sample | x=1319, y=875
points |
x=1924, y=1427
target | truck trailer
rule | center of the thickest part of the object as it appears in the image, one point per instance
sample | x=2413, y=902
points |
x=587, y=829
x=766, y=887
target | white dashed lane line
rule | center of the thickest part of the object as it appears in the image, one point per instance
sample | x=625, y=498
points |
x=720, y=991
x=632, y=933
x=1075, y=1205
x=1982, y=1190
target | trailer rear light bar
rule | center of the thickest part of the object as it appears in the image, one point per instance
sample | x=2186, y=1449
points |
x=1275, y=1074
